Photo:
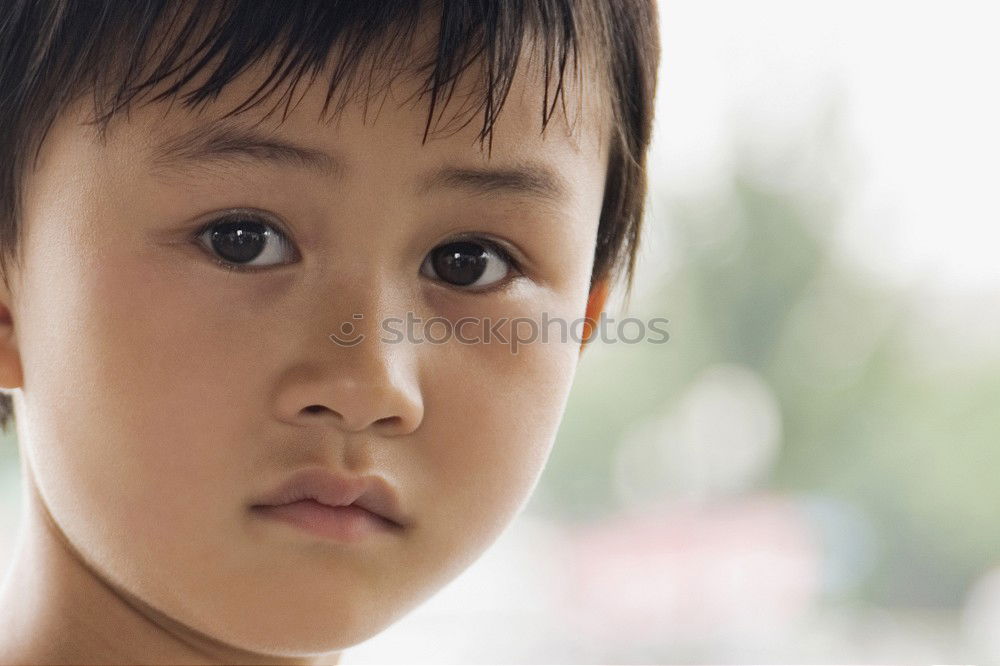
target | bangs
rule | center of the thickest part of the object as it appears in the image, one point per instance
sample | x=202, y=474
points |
x=128, y=49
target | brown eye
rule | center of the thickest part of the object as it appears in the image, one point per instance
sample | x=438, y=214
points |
x=245, y=241
x=467, y=264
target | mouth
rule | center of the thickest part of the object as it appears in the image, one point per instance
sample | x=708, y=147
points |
x=334, y=505
x=348, y=523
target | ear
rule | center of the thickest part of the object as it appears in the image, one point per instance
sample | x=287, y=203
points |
x=11, y=373
x=595, y=306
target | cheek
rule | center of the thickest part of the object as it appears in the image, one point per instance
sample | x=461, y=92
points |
x=140, y=388
x=180, y=380
x=132, y=378
x=492, y=418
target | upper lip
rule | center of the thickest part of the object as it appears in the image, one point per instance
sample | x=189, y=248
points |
x=371, y=493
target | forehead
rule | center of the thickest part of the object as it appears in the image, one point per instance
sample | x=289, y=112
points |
x=386, y=121
x=385, y=134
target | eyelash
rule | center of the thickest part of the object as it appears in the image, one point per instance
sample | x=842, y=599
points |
x=514, y=272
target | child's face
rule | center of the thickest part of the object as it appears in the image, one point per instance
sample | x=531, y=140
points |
x=164, y=393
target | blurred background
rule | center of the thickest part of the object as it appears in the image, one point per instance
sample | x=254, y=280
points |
x=807, y=470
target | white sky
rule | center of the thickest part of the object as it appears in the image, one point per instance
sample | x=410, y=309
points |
x=922, y=107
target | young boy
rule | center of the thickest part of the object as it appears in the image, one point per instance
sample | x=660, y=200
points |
x=226, y=456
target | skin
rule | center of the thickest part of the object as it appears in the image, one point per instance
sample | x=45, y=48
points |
x=158, y=394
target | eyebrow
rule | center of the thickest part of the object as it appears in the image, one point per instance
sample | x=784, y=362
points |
x=224, y=143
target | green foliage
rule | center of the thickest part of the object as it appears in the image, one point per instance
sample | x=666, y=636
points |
x=866, y=418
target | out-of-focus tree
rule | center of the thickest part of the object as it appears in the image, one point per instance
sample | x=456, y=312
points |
x=866, y=418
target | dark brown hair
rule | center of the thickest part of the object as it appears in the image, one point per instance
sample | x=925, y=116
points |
x=54, y=51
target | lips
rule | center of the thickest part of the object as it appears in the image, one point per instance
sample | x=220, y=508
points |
x=371, y=493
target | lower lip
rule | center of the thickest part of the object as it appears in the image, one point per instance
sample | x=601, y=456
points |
x=340, y=523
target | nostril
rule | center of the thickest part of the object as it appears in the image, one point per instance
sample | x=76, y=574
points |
x=391, y=423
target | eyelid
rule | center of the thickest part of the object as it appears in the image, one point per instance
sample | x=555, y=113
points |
x=510, y=252
x=263, y=216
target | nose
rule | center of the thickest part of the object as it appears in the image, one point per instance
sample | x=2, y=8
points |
x=371, y=384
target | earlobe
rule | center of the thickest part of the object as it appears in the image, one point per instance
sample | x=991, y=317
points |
x=11, y=372
x=595, y=306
